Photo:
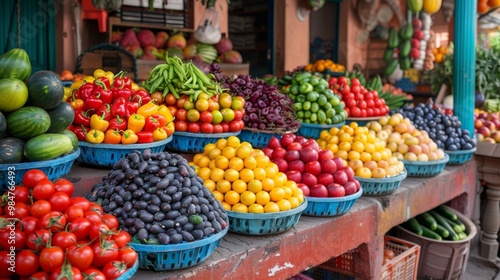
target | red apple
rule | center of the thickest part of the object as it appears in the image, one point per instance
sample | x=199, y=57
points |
x=350, y=188
x=268, y=152
x=319, y=191
x=358, y=185
x=325, y=179
x=325, y=154
x=340, y=177
x=306, y=191
x=313, y=167
x=335, y=190
x=297, y=165
x=416, y=23
x=495, y=135
x=478, y=123
x=292, y=155
x=339, y=162
x=349, y=172
x=311, y=143
x=328, y=166
x=287, y=139
x=279, y=153
x=309, y=179
x=294, y=175
x=496, y=122
x=484, y=131
x=308, y=154
x=274, y=143
x=300, y=139
x=295, y=146
x=489, y=124
x=281, y=163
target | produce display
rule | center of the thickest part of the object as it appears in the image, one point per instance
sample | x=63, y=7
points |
x=244, y=179
x=363, y=151
x=317, y=172
x=159, y=199
x=444, y=129
x=486, y=126
x=32, y=112
x=323, y=65
x=439, y=223
x=58, y=235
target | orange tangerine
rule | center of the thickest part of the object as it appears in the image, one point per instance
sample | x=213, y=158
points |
x=364, y=172
x=277, y=194
x=334, y=130
x=231, y=175
x=288, y=192
x=301, y=198
x=240, y=207
x=345, y=146
x=369, y=147
x=293, y=187
x=233, y=141
x=334, y=139
x=324, y=135
x=221, y=162
x=223, y=186
x=259, y=173
x=248, y=198
x=221, y=143
x=262, y=198
x=353, y=125
x=211, y=164
x=232, y=197
x=256, y=208
x=271, y=207
x=216, y=174
x=229, y=152
x=333, y=147
x=245, y=143
x=257, y=152
x=208, y=147
x=210, y=185
x=267, y=184
x=203, y=161
x=352, y=155
x=243, y=151
x=236, y=163
x=377, y=156
x=197, y=157
x=284, y=205
x=239, y=186
x=342, y=154
x=262, y=160
x=364, y=157
x=358, y=147
x=280, y=179
x=344, y=137
x=247, y=175
x=294, y=202
x=254, y=186
x=226, y=206
x=250, y=162
x=214, y=153
x=270, y=172
x=204, y=173
x=218, y=195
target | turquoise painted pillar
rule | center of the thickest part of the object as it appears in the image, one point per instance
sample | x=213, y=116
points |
x=464, y=58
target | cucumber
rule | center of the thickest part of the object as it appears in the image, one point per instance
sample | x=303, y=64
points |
x=442, y=231
x=427, y=232
x=446, y=212
x=427, y=220
x=456, y=227
x=441, y=220
x=462, y=235
x=413, y=225
x=42, y=147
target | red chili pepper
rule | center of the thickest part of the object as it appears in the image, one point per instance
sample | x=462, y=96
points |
x=103, y=82
x=145, y=137
x=151, y=124
x=117, y=123
x=141, y=96
x=104, y=111
x=160, y=118
x=86, y=90
x=105, y=95
x=92, y=104
x=80, y=132
x=81, y=118
x=125, y=93
x=119, y=109
x=132, y=108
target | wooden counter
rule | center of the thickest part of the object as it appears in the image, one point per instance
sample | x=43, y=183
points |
x=315, y=240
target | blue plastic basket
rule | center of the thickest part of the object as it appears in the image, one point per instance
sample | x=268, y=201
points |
x=259, y=138
x=426, y=168
x=460, y=157
x=265, y=223
x=330, y=206
x=177, y=256
x=54, y=169
x=130, y=272
x=362, y=121
x=188, y=142
x=310, y=130
x=381, y=186
x=108, y=154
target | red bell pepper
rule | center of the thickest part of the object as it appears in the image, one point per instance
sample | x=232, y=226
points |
x=80, y=132
x=125, y=93
x=161, y=119
x=141, y=96
x=105, y=95
x=103, y=82
x=132, y=107
x=144, y=137
x=104, y=111
x=117, y=123
x=119, y=109
x=122, y=81
x=86, y=90
x=151, y=124
x=92, y=103
x=81, y=117
x=75, y=94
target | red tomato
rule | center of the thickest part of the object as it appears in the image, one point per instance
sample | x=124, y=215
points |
x=104, y=252
x=7, y=242
x=51, y=258
x=80, y=256
x=355, y=112
x=96, y=208
x=64, y=239
x=114, y=269
x=32, y=176
x=370, y=103
x=193, y=127
x=94, y=273
x=110, y=220
x=53, y=221
x=377, y=102
x=206, y=117
x=5, y=264
x=59, y=201
x=355, y=88
x=82, y=202
x=238, y=115
x=92, y=216
x=234, y=126
x=355, y=81
x=345, y=89
x=207, y=128
x=43, y=189
x=37, y=240
x=369, y=112
x=64, y=185
x=350, y=103
x=40, y=275
x=128, y=256
x=27, y=263
x=217, y=128
x=363, y=113
x=376, y=111
x=28, y=225
x=349, y=96
x=98, y=229
x=121, y=238
x=60, y=274
x=368, y=96
x=19, y=211
x=181, y=115
x=21, y=194
x=80, y=227
x=375, y=94
x=342, y=81
x=73, y=212
x=180, y=126
x=40, y=208
x=359, y=97
x=225, y=126
x=361, y=104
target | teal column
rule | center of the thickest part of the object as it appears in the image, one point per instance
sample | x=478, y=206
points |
x=464, y=59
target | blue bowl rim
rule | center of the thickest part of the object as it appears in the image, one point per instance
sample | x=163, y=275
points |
x=374, y=118
x=206, y=135
x=252, y=131
x=461, y=152
x=43, y=163
x=125, y=146
x=335, y=199
x=264, y=216
x=428, y=163
x=130, y=272
x=317, y=125
x=400, y=177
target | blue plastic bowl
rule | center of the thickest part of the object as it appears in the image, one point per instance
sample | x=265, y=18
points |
x=330, y=206
x=362, y=121
x=426, y=168
x=188, y=142
x=130, y=272
x=460, y=157
x=381, y=186
x=259, y=139
x=310, y=130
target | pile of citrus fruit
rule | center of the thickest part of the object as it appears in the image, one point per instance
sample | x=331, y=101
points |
x=362, y=150
x=321, y=65
x=244, y=179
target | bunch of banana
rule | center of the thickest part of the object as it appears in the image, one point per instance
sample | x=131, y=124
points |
x=394, y=101
x=375, y=84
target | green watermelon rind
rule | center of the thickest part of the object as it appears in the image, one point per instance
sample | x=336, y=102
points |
x=28, y=122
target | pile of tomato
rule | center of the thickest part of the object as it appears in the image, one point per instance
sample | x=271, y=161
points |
x=45, y=233
x=359, y=101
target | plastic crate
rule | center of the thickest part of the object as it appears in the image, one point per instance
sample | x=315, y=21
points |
x=405, y=262
x=425, y=168
x=195, y=142
x=130, y=272
x=259, y=138
x=381, y=186
x=442, y=259
x=177, y=256
x=318, y=273
x=331, y=206
x=362, y=121
x=310, y=130
x=109, y=154
x=12, y=174
x=460, y=157
x=343, y=264
x=265, y=223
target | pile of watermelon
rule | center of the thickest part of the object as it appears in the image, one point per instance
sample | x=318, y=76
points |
x=33, y=117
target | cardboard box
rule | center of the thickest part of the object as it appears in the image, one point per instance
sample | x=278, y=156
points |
x=488, y=149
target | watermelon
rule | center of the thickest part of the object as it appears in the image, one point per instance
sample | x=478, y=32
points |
x=28, y=122
x=15, y=64
x=11, y=150
x=72, y=136
x=60, y=117
x=45, y=89
x=3, y=125
x=13, y=94
x=42, y=147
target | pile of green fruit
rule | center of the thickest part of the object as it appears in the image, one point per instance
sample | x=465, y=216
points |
x=33, y=116
x=400, y=40
x=313, y=101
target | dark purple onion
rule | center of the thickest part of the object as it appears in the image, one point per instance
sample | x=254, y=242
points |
x=235, y=87
x=240, y=82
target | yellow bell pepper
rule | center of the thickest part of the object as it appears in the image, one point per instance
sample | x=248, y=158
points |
x=148, y=109
x=159, y=134
x=97, y=122
x=129, y=137
x=110, y=75
x=164, y=111
x=432, y=6
x=136, y=122
x=94, y=136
